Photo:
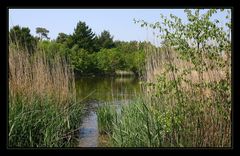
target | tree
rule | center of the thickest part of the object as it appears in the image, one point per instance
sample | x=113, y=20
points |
x=129, y=47
x=105, y=40
x=198, y=40
x=81, y=60
x=22, y=38
x=84, y=37
x=62, y=38
x=43, y=32
x=200, y=35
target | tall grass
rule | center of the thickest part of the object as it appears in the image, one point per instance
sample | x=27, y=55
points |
x=106, y=115
x=43, y=109
x=200, y=96
x=183, y=106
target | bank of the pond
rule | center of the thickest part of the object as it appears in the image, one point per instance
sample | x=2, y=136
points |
x=118, y=73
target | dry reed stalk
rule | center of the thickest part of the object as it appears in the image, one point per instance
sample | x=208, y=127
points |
x=157, y=58
x=213, y=126
x=38, y=74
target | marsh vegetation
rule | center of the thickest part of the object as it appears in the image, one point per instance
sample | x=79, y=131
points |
x=87, y=90
x=187, y=86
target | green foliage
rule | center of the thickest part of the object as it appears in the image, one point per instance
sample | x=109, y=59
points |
x=81, y=60
x=128, y=47
x=87, y=53
x=135, y=61
x=83, y=37
x=199, y=34
x=62, y=38
x=22, y=38
x=43, y=32
x=110, y=60
x=51, y=48
x=106, y=61
x=105, y=40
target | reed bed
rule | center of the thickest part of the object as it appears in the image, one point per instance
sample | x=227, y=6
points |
x=200, y=98
x=42, y=99
x=183, y=106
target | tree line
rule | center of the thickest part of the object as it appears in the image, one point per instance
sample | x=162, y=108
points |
x=87, y=52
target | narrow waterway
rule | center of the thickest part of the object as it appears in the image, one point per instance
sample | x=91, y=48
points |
x=100, y=90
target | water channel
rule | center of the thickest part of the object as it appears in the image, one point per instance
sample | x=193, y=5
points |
x=99, y=90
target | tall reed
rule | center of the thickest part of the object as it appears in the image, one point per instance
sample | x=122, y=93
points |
x=180, y=108
x=202, y=104
x=42, y=99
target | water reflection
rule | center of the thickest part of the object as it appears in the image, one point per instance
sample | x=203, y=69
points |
x=106, y=89
x=89, y=131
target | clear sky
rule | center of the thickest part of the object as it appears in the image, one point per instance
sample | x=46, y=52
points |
x=118, y=21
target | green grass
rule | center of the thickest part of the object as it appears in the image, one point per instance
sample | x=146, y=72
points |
x=105, y=115
x=137, y=125
x=41, y=123
x=140, y=124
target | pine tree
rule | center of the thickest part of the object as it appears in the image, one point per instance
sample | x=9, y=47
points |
x=84, y=37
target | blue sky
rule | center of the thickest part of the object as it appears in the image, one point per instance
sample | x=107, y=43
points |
x=118, y=21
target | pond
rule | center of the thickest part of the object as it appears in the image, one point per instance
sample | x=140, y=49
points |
x=95, y=91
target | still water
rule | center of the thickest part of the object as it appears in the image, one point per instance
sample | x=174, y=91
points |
x=95, y=91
